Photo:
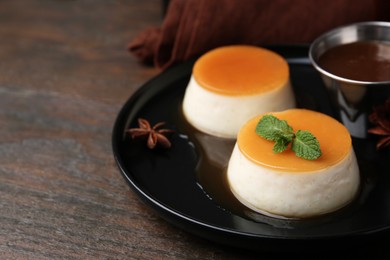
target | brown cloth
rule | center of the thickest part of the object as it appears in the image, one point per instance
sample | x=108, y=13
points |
x=192, y=27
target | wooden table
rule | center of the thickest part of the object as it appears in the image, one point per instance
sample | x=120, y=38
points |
x=64, y=75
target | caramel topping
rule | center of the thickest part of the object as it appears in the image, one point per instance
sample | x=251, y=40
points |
x=241, y=70
x=334, y=139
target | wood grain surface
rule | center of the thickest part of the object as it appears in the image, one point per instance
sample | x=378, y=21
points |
x=64, y=75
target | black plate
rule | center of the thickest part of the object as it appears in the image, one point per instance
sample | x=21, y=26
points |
x=166, y=180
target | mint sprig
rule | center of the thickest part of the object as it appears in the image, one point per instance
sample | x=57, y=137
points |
x=304, y=144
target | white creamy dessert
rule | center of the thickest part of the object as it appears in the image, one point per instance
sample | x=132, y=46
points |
x=285, y=185
x=229, y=85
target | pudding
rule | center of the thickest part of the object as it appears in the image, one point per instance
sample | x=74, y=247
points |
x=229, y=85
x=284, y=185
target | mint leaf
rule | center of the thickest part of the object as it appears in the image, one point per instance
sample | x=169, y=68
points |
x=303, y=143
x=280, y=145
x=274, y=129
x=306, y=146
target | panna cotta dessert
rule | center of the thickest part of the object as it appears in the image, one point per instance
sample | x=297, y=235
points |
x=229, y=85
x=285, y=185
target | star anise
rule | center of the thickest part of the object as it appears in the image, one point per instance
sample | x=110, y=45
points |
x=155, y=135
x=381, y=118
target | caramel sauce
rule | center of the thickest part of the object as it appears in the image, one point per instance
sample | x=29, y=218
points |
x=241, y=70
x=362, y=61
x=335, y=144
